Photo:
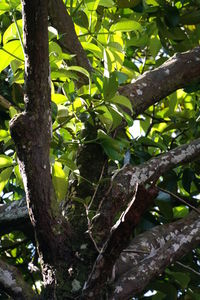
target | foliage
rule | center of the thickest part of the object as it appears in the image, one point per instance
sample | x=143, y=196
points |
x=122, y=39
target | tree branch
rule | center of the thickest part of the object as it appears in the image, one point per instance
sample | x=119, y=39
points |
x=4, y=102
x=69, y=41
x=164, y=245
x=14, y=216
x=177, y=72
x=12, y=283
x=31, y=132
x=118, y=240
x=124, y=181
x=121, y=190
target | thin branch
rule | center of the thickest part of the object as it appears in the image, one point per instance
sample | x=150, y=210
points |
x=187, y=268
x=180, y=199
x=4, y=102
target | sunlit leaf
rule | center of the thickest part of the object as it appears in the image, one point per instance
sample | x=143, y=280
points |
x=59, y=181
x=5, y=161
x=58, y=98
x=79, y=69
x=92, y=4
x=3, y=134
x=123, y=101
x=12, y=50
x=107, y=3
x=126, y=25
x=11, y=32
x=180, y=211
x=4, y=177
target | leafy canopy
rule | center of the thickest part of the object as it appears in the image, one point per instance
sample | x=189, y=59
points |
x=123, y=39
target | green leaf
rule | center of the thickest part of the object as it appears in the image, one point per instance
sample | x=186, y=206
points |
x=12, y=111
x=63, y=75
x=55, y=51
x=105, y=116
x=4, y=177
x=172, y=16
x=92, y=4
x=183, y=279
x=58, y=98
x=59, y=181
x=107, y=3
x=64, y=159
x=62, y=113
x=110, y=86
x=180, y=211
x=19, y=180
x=117, y=116
x=4, y=6
x=188, y=177
x=11, y=32
x=165, y=287
x=122, y=101
x=164, y=203
x=151, y=2
x=12, y=50
x=5, y=161
x=149, y=142
x=112, y=148
x=79, y=69
x=3, y=134
x=14, y=3
x=94, y=49
x=81, y=19
x=125, y=25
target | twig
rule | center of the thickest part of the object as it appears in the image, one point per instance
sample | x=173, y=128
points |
x=135, y=251
x=18, y=32
x=96, y=189
x=4, y=102
x=188, y=268
x=89, y=230
x=180, y=199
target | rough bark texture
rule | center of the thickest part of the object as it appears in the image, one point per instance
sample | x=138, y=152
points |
x=125, y=180
x=31, y=132
x=69, y=41
x=151, y=252
x=14, y=216
x=126, y=195
x=118, y=239
x=177, y=72
x=12, y=282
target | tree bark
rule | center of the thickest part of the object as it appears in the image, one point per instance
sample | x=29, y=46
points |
x=69, y=41
x=31, y=132
x=12, y=282
x=151, y=252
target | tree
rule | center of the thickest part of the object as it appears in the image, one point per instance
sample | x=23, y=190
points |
x=91, y=208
